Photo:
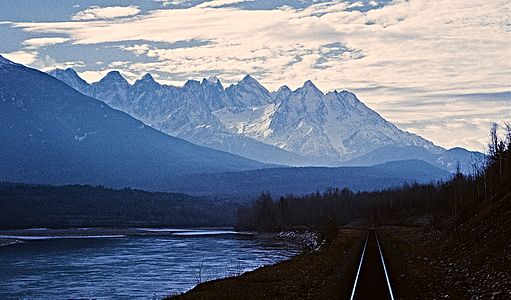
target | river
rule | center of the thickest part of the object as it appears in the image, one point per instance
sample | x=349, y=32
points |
x=144, y=264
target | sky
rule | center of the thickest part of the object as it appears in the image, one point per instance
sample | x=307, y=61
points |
x=437, y=68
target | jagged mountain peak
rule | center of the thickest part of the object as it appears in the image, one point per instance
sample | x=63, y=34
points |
x=69, y=70
x=347, y=97
x=212, y=81
x=190, y=83
x=336, y=92
x=114, y=76
x=146, y=81
x=64, y=72
x=249, y=79
x=249, y=93
x=113, y=73
x=284, y=89
x=282, y=94
x=113, y=89
x=147, y=77
x=309, y=86
x=70, y=73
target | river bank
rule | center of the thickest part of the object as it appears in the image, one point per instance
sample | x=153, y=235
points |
x=320, y=274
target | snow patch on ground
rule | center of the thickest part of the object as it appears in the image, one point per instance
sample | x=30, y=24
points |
x=309, y=240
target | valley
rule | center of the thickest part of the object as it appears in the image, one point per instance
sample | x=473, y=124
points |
x=255, y=149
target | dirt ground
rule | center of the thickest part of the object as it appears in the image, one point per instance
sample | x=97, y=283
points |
x=471, y=260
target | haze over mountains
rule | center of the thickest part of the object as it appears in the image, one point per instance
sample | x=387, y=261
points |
x=50, y=133
x=53, y=134
x=307, y=180
x=304, y=127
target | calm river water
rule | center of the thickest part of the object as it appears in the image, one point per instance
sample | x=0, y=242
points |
x=129, y=266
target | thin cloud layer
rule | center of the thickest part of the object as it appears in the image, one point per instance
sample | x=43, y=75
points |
x=45, y=41
x=95, y=12
x=22, y=57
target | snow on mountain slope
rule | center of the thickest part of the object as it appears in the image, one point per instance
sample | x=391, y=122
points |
x=251, y=121
x=301, y=127
x=182, y=112
x=336, y=126
x=50, y=133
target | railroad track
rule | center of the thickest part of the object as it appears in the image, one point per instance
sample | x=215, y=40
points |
x=372, y=279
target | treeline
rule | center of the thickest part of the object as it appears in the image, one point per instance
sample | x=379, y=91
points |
x=411, y=203
x=23, y=206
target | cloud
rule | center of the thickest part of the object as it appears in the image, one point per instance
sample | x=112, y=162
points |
x=137, y=49
x=112, y=12
x=41, y=62
x=450, y=120
x=219, y=3
x=470, y=131
x=94, y=76
x=22, y=57
x=448, y=46
x=171, y=2
x=356, y=4
x=45, y=41
x=154, y=47
x=398, y=56
x=46, y=63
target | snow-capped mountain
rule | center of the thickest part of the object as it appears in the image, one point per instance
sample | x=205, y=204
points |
x=50, y=133
x=336, y=126
x=300, y=127
x=184, y=112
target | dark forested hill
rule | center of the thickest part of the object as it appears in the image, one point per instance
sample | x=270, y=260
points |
x=23, y=206
x=299, y=181
x=474, y=200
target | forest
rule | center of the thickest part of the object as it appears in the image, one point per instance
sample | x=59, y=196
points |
x=25, y=206
x=410, y=204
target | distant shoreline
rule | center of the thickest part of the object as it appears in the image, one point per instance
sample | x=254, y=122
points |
x=15, y=236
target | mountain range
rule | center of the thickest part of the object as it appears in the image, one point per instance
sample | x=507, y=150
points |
x=304, y=127
x=51, y=133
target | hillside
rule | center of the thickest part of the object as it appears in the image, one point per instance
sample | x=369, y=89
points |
x=53, y=134
x=300, y=181
x=464, y=260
